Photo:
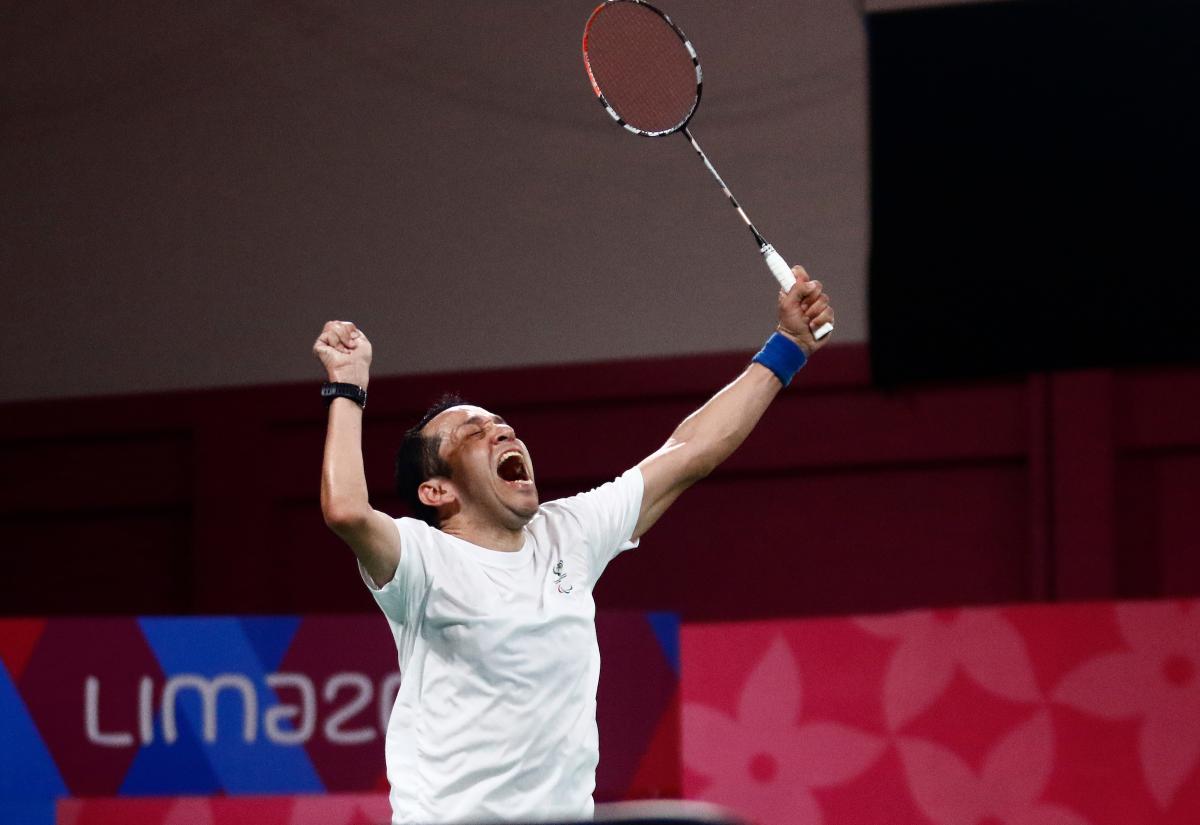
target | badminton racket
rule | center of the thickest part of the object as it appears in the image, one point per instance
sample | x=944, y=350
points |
x=647, y=76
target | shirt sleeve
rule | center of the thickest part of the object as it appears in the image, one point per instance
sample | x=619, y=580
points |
x=607, y=516
x=401, y=597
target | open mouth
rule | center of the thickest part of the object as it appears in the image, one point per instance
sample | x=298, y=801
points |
x=513, y=470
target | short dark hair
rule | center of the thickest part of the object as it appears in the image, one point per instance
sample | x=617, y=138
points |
x=418, y=460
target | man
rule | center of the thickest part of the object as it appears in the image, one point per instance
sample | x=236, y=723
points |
x=489, y=593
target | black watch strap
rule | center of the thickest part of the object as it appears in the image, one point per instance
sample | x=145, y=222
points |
x=336, y=389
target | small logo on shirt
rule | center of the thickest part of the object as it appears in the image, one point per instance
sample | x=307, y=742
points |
x=559, y=576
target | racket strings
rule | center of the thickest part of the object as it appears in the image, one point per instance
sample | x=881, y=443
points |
x=641, y=67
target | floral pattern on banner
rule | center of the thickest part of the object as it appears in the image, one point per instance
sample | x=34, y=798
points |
x=1031, y=715
x=764, y=756
x=1155, y=680
x=980, y=642
x=1007, y=789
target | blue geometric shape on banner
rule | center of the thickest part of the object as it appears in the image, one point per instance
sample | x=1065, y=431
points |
x=27, y=771
x=205, y=649
x=27, y=812
x=181, y=767
x=270, y=636
x=666, y=630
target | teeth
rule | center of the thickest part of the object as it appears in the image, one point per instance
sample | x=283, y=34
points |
x=522, y=464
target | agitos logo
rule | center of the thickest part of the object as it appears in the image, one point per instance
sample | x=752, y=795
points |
x=352, y=709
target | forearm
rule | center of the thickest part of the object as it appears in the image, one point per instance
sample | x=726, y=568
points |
x=711, y=434
x=344, y=499
x=704, y=439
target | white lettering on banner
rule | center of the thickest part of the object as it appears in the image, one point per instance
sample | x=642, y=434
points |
x=307, y=710
x=283, y=723
x=354, y=681
x=146, y=709
x=208, y=688
x=91, y=719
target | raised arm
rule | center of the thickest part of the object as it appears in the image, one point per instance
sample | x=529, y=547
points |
x=711, y=434
x=345, y=353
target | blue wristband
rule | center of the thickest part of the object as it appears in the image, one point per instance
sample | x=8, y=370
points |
x=782, y=356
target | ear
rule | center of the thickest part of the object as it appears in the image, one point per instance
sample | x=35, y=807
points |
x=436, y=492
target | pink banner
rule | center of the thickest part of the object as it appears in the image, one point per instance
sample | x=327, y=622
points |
x=1049, y=715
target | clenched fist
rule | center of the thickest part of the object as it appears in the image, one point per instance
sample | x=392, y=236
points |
x=345, y=352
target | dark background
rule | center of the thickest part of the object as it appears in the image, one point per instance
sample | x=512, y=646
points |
x=1034, y=168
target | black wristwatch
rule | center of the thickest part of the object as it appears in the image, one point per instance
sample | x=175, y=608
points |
x=336, y=389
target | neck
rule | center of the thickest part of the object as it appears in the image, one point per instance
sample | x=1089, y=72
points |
x=489, y=536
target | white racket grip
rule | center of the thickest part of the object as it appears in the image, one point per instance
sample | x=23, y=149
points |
x=783, y=274
x=778, y=267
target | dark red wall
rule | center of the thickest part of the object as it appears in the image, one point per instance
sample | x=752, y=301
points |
x=846, y=499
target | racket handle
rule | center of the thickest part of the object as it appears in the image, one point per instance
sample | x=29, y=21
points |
x=783, y=274
x=778, y=267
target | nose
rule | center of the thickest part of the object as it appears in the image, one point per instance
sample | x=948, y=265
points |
x=503, y=432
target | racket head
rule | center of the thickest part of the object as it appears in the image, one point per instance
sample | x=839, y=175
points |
x=642, y=67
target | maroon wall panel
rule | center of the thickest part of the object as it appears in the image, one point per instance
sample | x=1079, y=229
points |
x=1157, y=468
x=845, y=499
x=120, y=562
x=779, y=545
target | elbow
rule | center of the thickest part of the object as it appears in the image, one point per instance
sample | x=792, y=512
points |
x=344, y=517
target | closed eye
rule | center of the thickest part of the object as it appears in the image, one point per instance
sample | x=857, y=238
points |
x=474, y=433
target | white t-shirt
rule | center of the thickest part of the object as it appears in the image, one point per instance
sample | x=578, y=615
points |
x=496, y=714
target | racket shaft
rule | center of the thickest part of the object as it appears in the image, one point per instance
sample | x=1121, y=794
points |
x=775, y=262
x=724, y=188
